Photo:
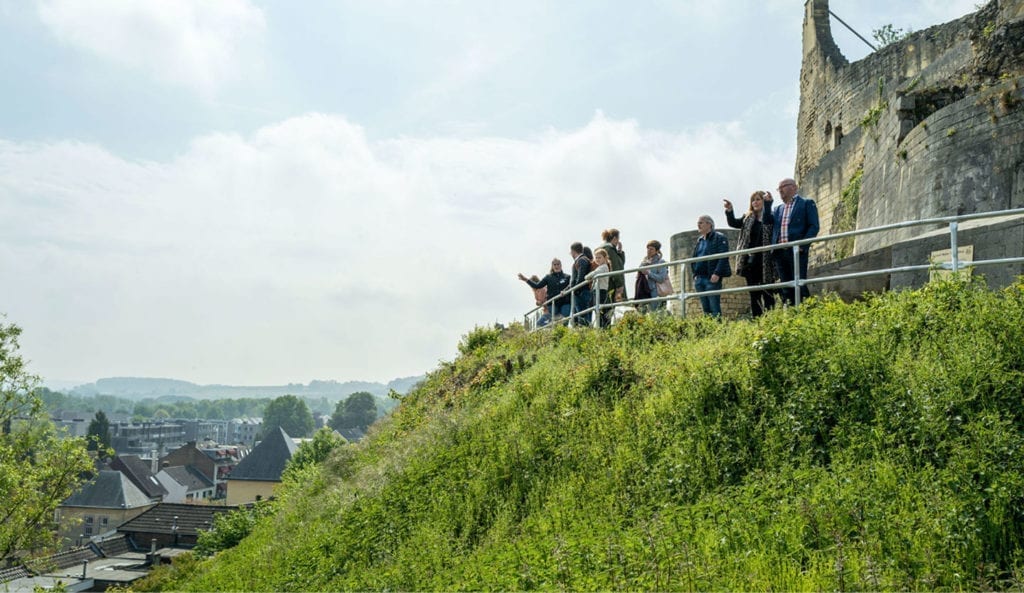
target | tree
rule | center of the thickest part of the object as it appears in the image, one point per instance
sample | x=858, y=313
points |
x=38, y=468
x=888, y=34
x=359, y=410
x=291, y=414
x=231, y=527
x=99, y=433
x=315, y=451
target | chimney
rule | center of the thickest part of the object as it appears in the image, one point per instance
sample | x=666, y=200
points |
x=153, y=467
x=152, y=559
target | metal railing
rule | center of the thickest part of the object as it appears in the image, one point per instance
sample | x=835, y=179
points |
x=531, y=317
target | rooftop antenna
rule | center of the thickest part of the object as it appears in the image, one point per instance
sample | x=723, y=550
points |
x=859, y=36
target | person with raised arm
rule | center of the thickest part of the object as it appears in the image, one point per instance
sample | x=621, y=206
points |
x=755, y=231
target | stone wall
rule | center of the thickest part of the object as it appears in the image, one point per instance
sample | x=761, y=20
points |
x=934, y=125
x=935, y=122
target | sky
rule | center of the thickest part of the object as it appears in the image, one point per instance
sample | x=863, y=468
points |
x=265, y=192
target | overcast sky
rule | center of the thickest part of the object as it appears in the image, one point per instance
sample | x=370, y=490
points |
x=262, y=192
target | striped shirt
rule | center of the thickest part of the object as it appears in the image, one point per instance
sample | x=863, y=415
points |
x=787, y=210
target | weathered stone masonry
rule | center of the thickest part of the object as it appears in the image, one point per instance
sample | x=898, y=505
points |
x=934, y=125
x=935, y=121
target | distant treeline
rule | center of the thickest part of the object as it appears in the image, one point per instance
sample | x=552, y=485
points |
x=184, y=406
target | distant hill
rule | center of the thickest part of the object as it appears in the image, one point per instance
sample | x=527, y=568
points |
x=145, y=387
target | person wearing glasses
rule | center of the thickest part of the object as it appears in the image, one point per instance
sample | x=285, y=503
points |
x=555, y=282
x=708, y=274
x=796, y=218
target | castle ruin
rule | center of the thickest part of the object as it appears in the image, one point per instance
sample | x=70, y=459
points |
x=929, y=126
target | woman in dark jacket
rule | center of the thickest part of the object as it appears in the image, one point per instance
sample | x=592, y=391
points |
x=755, y=231
x=556, y=282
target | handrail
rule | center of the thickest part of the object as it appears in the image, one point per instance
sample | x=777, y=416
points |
x=797, y=282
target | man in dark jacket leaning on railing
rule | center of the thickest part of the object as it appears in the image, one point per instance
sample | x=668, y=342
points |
x=708, y=274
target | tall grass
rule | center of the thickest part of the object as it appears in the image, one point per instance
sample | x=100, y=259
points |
x=867, y=446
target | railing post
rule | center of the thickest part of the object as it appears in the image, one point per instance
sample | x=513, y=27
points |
x=953, y=248
x=796, y=275
x=682, y=290
x=572, y=309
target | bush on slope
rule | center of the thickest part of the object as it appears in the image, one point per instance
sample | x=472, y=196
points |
x=874, y=445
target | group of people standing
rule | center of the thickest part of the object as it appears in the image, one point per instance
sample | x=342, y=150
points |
x=587, y=267
x=764, y=223
x=796, y=218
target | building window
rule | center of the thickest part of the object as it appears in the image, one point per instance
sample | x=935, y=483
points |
x=104, y=521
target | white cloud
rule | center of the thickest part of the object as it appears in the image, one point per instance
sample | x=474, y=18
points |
x=306, y=251
x=192, y=43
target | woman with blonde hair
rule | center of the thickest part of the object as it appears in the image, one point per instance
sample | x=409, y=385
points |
x=601, y=284
x=755, y=231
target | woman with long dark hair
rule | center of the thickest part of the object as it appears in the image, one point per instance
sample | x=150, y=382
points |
x=755, y=231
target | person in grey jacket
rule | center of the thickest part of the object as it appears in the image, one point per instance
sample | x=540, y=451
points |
x=653, y=275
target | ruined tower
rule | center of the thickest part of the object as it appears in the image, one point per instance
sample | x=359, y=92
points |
x=929, y=126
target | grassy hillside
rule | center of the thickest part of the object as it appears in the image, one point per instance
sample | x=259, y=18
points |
x=876, y=445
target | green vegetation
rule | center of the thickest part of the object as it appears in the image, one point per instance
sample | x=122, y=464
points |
x=290, y=413
x=98, y=435
x=38, y=466
x=867, y=446
x=229, y=528
x=887, y=34
x=844, y=217
x=358, y=410
x=874, y=113
x=178, y=406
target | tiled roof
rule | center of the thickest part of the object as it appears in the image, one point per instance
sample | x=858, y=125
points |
x=161, y=519
x=15, y=572
x=189, y=477
x=138, y=471
x=72, y=557
x=351, y=434
x=266, y=462
x=113, y=546
x=110, y=489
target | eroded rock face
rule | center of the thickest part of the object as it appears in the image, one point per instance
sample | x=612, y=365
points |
x=998, y=46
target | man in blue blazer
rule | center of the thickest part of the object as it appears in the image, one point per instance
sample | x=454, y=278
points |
x=795, y=218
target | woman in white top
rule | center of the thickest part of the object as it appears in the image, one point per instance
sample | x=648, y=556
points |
x=601, y=284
